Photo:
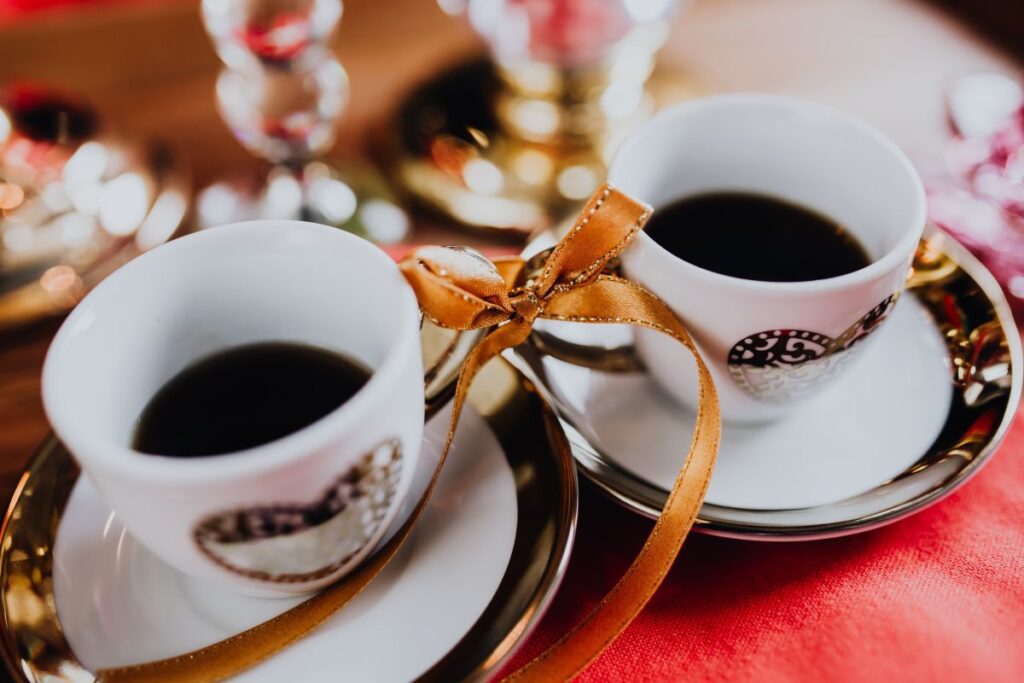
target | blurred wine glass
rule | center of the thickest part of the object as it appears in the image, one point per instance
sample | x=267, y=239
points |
x=76, y=200
x=281, y=93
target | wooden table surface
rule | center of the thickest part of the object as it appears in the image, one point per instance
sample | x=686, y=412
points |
x=151, y=72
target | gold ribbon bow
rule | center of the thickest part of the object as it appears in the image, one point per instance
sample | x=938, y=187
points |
x=460, y=290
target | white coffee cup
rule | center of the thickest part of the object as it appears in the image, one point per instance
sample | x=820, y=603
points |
x=236, y=518
x=770, y=344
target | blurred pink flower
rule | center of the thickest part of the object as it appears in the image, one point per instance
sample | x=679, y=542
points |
x=980, y=199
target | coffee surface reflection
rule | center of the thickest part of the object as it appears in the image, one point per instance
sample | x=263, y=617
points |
x=244, y=397
x=756, y=237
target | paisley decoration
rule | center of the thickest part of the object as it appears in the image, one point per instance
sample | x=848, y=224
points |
x=295, y=542
x=778, y=365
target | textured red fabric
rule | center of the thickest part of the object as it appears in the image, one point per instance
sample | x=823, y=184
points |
x=936, y=597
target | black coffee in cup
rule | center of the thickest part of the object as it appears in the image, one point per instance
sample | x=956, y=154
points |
x=756, y=237
x=245, y=397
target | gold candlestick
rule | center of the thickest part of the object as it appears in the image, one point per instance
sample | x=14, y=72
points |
x=515, y=141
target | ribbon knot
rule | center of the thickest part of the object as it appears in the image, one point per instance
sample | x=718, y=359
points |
x=459, y=289
x=526, y=304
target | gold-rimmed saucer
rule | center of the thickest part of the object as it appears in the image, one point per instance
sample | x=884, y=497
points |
x=79, y=593
x=923, y=412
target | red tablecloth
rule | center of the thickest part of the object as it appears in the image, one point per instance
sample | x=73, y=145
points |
x=936, y=597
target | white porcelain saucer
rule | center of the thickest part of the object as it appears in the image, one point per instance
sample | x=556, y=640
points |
x=469, y=585
x=119, y=604
x=920, y=412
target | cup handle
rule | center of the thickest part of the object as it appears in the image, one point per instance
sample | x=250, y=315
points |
x=444, y=352
x=622, y=358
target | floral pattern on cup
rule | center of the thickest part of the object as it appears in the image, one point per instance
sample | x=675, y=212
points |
x=296, y=542
x=782, y=364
